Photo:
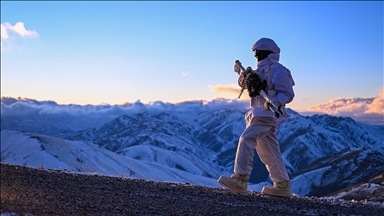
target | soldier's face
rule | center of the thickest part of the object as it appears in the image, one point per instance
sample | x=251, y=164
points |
x=261, y=54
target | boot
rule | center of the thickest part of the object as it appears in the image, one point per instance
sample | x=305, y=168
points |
x=236, y=182
x=282, y=189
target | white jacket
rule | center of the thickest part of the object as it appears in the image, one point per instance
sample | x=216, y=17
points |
x=279, y=86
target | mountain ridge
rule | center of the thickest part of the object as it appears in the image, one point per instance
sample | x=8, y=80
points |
x=203, y=141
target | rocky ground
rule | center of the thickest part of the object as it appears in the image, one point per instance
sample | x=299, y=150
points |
x=31, y=191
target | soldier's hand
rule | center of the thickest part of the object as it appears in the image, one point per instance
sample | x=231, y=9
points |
x=249, y=70
x=267, y=104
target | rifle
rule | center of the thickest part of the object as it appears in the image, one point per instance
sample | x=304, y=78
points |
x=239, y=69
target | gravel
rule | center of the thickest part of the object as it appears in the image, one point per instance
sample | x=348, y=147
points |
x=33, y=191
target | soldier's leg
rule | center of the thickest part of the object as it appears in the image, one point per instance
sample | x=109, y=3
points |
x=244, y=155
x=268, y=150
x=256, y=130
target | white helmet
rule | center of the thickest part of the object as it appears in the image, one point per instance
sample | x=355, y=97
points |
x=266, y=44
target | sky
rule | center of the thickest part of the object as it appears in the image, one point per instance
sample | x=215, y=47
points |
x=118, y=52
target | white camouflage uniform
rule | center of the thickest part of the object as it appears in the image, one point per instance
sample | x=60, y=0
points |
x=261, y=123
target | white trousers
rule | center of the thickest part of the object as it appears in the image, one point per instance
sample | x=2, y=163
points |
x=260, y=134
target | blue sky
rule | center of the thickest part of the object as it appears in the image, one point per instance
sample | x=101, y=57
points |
x=117, y=52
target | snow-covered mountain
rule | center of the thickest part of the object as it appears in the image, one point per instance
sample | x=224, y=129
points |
x=371, y=190
x=43, y=151
x=344, y=169
x=323, y=153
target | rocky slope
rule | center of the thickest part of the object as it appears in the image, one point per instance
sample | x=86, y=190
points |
x=26, y=190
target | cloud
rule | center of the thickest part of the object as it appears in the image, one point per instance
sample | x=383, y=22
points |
x=369, y=110
x=4, y=33
x=18, y=28
x=186, y=74
x=230, y=89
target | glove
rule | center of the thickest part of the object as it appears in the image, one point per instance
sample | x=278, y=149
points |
x=242, y=81
x=255, y=85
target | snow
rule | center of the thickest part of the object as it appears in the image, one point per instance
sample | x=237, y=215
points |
x=82, y=157
x=26, y=149
x=304, y=183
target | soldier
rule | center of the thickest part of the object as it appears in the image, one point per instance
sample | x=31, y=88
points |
x=261, y=123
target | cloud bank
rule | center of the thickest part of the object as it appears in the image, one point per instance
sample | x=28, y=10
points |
x=77, y=117
x=30, y=107
x=368, y=110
